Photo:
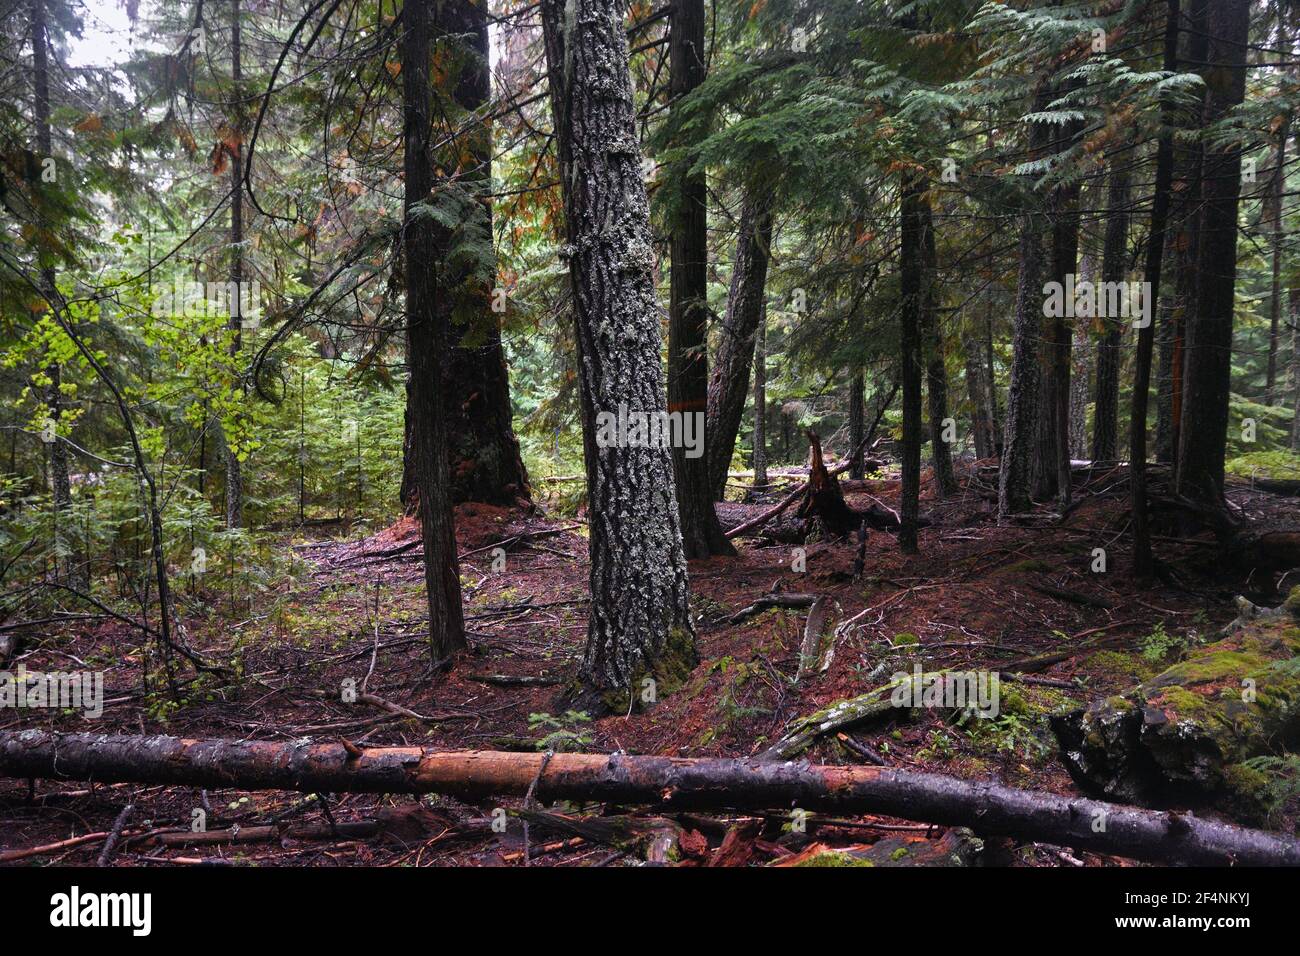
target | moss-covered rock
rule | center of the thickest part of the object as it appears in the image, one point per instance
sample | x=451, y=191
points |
x=1188, y=729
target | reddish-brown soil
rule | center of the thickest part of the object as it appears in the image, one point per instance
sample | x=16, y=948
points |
x=969, y=599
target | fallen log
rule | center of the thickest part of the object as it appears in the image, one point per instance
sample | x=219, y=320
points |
x=1279, y=486
x=677, y=783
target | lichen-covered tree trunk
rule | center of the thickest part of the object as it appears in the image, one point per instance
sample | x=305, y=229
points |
x=1203, y=439
x=911, y=268
x=639, y=625
x=936, y=372
x=1081, y=363
x=1105, y=423
x=729, y=378
x=426, y=346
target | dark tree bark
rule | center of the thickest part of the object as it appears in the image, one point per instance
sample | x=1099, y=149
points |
x=1203, y=441
x=979, y=392
x=1142, y=560
x=857, y=425
x=1052, y=461
x=911, y=265
x=1277, y=188
x=1294, y=300
x=688, y=310
x=1024, y=394
x=640, y=624
x=1186, y=206
x=936, y=373
x=729, y=379
x=234, y=468
x=485, y=463
x=1105, y=425
x=427, y=339
x=759, y=438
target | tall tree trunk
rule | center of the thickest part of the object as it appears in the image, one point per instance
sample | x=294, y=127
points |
x=234, y=468
x=1203, y=441
x=1278, y=187
x=1294, y=299
x=1052, y=464
x=485, y=464
x=688, y=310
x=857, y=425
x=911, y=265
x=936, y=372
x=56, y=449
x=426, y=345
x=1142, y=560
x=1105, y=417
x=1081, y=371
x=759, y=438
x=729, y=380
x=639, y=625
x=980, y=395
x=1024, y=394
x=1187, y=241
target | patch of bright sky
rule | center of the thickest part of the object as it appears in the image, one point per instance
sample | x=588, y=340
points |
x=107, y=37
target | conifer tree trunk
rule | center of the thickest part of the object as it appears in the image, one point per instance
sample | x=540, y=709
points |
x=688, y=311
x=1203, y=441
x=857, y=425
x=1142, y=558
x=485, y=463
x=759, y=438
x=729, y=378
x=1105, y=424
x=427, y=341
x=1278, y=187
x=1186, y=213
x=639, y=625
x=1294, y=299
x=1024, y=394
x=978, y=393
x=911, y=266
x=1052, y=460
x=936, y=373
x=234, y=468
x=56, y=449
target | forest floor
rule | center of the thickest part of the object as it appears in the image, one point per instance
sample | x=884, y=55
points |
x=977, y=596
